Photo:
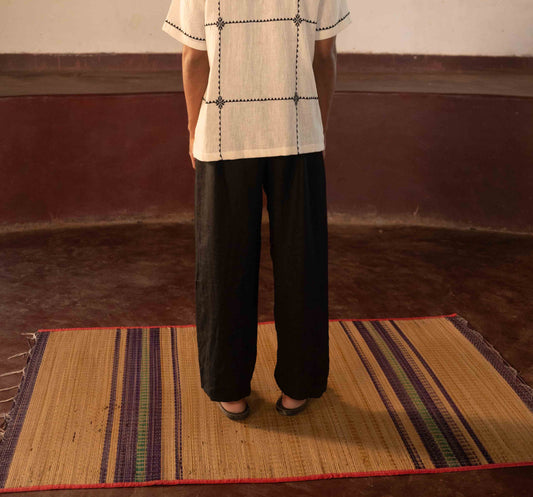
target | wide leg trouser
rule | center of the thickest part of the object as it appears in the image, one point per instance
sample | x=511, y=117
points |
x=228, y=208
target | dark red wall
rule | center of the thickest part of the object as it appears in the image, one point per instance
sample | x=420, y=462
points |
x=401, y=155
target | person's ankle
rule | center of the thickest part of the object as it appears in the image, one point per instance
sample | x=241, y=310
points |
x=291, y=403
x=234, y=405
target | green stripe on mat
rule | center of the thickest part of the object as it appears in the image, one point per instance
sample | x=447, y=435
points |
x=144, y=404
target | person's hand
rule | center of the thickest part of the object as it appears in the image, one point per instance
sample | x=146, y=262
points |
x=191, y=144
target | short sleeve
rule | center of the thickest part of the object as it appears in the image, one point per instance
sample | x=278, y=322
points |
x=185, y=21
x=333, y=17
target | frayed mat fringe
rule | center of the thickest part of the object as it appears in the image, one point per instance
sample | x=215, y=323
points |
x=7, y=416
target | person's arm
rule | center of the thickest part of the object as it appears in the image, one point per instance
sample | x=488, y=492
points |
x=195, y=70
x=185, y=22
x=325, y=70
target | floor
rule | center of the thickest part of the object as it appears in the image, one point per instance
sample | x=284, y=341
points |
x=143, y=274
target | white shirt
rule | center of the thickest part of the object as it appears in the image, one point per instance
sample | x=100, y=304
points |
x=261, y=97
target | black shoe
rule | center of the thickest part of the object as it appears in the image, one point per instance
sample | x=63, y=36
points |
x=285, y=411
x=236, y=415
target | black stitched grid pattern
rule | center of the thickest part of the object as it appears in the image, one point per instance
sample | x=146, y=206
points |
x=220, y=101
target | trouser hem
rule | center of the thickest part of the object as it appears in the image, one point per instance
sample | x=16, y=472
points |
x=300, y=394
x=227, y=395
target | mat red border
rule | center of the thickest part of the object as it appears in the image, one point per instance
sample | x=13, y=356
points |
x=326, y=476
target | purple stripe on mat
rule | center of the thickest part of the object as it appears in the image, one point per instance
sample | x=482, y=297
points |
x=416, y=377
x=177, y=413
x=153, y=451
x=411, y=449
x=111, y=411
x=20, y=404
x=485, y=348
x=456, y=409
x=127, y=435
x=426, y=436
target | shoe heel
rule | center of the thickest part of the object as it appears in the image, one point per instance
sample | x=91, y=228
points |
x=285, y=411
x=236, y=416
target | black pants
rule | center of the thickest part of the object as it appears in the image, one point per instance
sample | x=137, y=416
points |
x=228, y=208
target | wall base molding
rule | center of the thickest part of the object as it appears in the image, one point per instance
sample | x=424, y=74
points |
x=349, y=62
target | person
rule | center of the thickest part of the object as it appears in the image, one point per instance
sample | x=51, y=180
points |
x=258, y=79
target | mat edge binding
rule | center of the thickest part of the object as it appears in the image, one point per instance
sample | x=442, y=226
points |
x=517, y=380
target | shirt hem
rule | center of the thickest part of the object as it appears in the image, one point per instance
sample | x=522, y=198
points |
x=322, y=34
x=258, y=152
x=183, y=38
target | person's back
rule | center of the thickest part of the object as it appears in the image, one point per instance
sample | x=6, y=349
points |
x=261, y=98
x=257, y=103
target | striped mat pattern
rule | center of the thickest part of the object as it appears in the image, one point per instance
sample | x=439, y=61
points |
x=122, y=406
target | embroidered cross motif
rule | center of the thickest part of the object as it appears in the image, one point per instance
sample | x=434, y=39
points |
x=220, y=23
x=220, y=102
x=296, y=97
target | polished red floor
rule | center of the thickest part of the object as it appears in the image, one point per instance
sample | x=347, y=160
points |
x=143, y=274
